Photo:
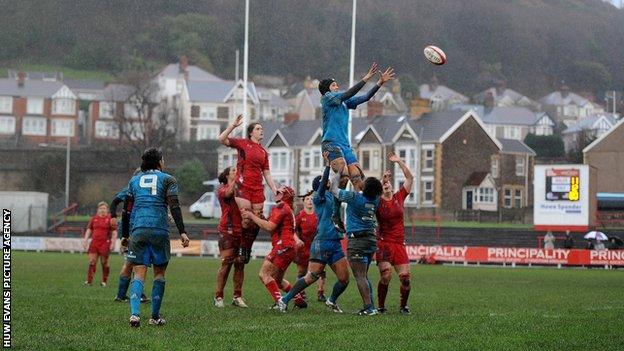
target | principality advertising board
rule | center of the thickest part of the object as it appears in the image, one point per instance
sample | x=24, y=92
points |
x=561, y=197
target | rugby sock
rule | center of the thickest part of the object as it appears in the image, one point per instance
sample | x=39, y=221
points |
x=239, y=276
x=381, y=294
x=339, y=288
x=286, y=287
x=136, y=290
x=122, y=290
x=370, y=288
x=404, y=295
x=90, y=273
x=105, y=273
x=273, y=290
x=158, y=292
x=300, y=284
x=219, y=294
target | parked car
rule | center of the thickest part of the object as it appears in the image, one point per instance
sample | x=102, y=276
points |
x=207, y=206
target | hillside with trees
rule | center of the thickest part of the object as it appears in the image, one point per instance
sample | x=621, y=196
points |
x=533, y=44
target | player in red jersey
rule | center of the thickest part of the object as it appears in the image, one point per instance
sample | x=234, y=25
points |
x=252, y=166
x=281, y=225
x=306, y=223
x=391, y=238
x=101, y=229
x=229, y=240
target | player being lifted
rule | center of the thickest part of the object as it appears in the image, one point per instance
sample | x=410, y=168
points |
x=152, y=191
x=251, y=167
x=229, y=240
x=391, y=251
x=281, y=225
x=361, y=223
x=102, y=243
x=335, y=117
x=325, y=249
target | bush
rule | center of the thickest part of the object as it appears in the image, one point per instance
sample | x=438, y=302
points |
x=191, y=175
x=546, y=145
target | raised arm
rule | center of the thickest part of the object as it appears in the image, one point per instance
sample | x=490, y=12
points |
x=223, y=137
x=262, y=223
x=359, y=85
x=409, y=178
x=230, y=190
x=323, y=185
x=387, y=75
x=334, y=178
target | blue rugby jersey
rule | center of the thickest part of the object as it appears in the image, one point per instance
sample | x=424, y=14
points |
x=360, y=211
x=150, y=190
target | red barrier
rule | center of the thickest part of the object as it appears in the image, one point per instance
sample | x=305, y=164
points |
x=518, y=255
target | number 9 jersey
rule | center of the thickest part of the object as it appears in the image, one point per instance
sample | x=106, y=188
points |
x=150, y=190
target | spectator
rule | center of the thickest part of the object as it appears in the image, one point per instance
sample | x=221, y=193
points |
x=549, y=241
x=600, y=246
x=568, y=243
x=615, y=243
x=590, y=245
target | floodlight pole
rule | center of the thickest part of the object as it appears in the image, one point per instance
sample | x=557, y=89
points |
x=352, y=64
x=245, y=67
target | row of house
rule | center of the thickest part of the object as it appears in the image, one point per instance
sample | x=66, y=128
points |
x=450, y=150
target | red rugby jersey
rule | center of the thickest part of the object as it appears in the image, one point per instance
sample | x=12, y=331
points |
x=230, y=214
x=253, y=159
x=282, y=215
x=305, y=225
x=101, y=228
x=390, y=216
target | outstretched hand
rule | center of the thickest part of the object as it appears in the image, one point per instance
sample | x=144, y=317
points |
x=392, y=157
x=238, y=121
x=386, y=75
x=326, y=158
x=371, y=71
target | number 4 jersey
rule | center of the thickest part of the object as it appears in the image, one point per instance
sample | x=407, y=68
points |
x=150, y=190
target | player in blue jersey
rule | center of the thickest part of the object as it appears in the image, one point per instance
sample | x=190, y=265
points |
x=335, y=117
x=325, y=249
x=361, y=224
x=124, y=230
x=153, y=191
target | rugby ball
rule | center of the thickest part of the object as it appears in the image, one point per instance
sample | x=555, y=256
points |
x=435, y=55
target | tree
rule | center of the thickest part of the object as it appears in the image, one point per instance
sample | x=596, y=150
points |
x=585, y=138
x=546, y=145
x=191, y=175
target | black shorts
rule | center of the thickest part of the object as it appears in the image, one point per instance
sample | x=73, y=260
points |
x=362, y=247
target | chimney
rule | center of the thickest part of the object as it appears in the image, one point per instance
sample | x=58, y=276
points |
x=374, y=108
x=565, y=90
x=501, y=86
x=290, y=117
x=433, y=84
x=418, y=107
x=183, y=63
x=488, y=100
x=21, y=78
x=308, y=83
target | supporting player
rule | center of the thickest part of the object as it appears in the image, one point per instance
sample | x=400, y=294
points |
x=306, y=223
x=326, y=248
x=152, y=190
x=391, y=252
x=126, y=270
x=335, y=116
x=281, y=225
x=229, y=240
x=361, y=223
x=104, y=230
x=252, y=166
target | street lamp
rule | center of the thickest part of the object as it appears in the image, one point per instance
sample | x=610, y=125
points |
x=67, y=155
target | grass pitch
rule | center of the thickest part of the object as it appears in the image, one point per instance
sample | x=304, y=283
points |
x=452, y=308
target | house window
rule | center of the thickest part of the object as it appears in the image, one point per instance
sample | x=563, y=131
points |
x=62, y=127
x=486, y=195
x=518, y=198
x=207, y=132
x=207, y=112
x=507, y=198
x=106, y=109
x=195, y=111
x=520, y=166
x=7, y=125
x=495, y=164
x=131, y=110
x=511, y=132
x=366, y=159
x=305, y=157
x=6, y=104
x=428, y=191
x=279, y=161
x=376, y=160
x=34, y=126
x=428, y=158
x=106, y=129
x=318, y=159
x=63, y=106
x=34, y=106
